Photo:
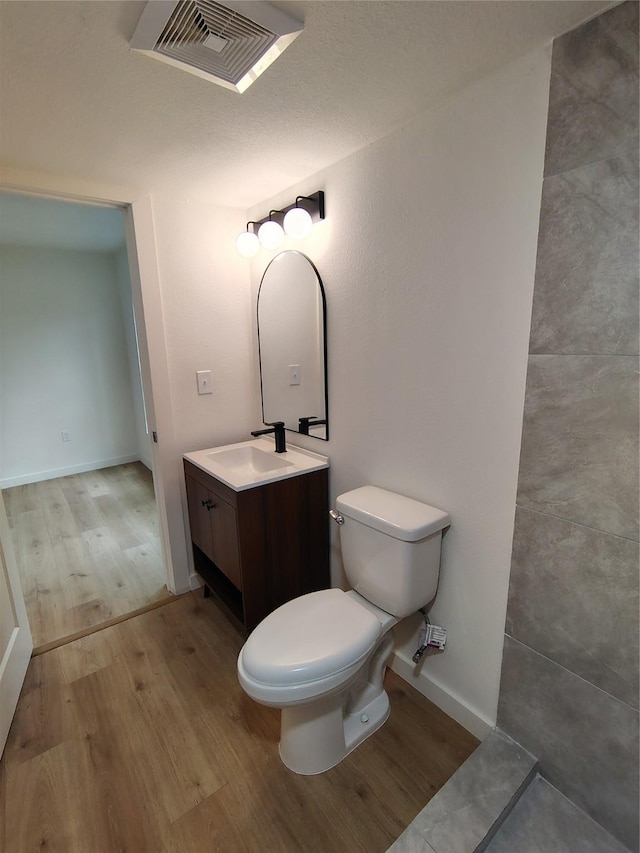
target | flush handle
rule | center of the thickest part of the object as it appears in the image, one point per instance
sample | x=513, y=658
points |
x=339, y=519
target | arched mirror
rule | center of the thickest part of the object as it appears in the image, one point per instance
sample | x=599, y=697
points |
x=292, y=343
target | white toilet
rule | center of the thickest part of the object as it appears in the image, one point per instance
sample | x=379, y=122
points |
x=322, y=657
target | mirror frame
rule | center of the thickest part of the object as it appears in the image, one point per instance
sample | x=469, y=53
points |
x=325, y=437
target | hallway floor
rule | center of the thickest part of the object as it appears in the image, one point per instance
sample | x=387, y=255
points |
x=87, y=548
x=139, y=738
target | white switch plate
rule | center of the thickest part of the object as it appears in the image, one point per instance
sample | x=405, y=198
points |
x=66, y=435
x=294, y=374
x=204, y=381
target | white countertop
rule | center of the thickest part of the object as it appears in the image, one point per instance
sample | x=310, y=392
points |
x=247, y=464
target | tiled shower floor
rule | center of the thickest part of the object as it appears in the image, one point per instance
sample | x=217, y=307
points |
x=545, y=820
x=496, y=802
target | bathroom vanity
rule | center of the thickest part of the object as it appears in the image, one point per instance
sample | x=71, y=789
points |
x=259, y=525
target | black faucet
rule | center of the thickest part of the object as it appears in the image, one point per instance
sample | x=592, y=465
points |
x=277, y=429
x=305, y=423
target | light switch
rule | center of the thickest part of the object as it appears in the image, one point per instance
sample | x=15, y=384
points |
x=294, y=374
x=204, y=381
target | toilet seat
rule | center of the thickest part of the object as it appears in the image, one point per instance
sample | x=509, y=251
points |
x=308, y=646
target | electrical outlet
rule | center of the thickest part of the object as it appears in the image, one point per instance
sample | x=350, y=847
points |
x=66, y=435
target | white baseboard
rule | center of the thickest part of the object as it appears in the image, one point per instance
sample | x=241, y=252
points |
x=146, y=461
x=39, y=476
x=194, y=581
x=452, y=705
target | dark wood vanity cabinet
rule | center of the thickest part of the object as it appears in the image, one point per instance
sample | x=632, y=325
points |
x=260, y=547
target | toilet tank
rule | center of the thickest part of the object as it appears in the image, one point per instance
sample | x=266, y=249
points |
x=391, y=548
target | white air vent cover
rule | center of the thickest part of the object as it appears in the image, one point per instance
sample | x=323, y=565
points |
x=230, y=43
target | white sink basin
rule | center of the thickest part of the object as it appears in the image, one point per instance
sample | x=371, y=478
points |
x=255, y=463
x=249, y=460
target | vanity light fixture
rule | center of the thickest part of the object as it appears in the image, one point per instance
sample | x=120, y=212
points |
x=295, y=220
x=247, y=243
x=270, y=233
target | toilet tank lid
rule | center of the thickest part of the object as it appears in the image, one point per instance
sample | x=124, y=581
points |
x=396, y=515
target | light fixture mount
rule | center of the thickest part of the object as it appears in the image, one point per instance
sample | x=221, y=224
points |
x=313, y=204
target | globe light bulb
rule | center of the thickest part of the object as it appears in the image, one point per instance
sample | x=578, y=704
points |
x=298, y=223
x=270, y=234
x=248, y=244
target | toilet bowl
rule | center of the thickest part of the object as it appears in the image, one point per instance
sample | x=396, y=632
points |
x=321, y=658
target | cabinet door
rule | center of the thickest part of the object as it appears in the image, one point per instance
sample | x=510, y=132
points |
x=199, y=516
x=224, y=538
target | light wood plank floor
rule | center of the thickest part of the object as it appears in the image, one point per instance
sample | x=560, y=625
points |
x=87, y=548
x=138, y=738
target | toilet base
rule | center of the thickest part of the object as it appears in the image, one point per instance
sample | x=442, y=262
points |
x=316, y=737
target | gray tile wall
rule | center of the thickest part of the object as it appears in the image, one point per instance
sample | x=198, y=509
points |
x=569, y=690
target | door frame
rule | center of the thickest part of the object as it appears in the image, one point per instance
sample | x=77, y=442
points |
x=147, y=306
x=15, y=657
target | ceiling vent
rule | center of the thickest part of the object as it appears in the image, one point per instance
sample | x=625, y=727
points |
x=230, y=44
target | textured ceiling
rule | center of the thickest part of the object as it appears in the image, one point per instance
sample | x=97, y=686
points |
x=74, y=98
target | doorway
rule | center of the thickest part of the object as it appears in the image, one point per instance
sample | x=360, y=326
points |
x=75, y=454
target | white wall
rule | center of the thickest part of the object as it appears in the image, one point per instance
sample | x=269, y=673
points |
x=64, y=365
x=427, y=256
x=207, y=312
